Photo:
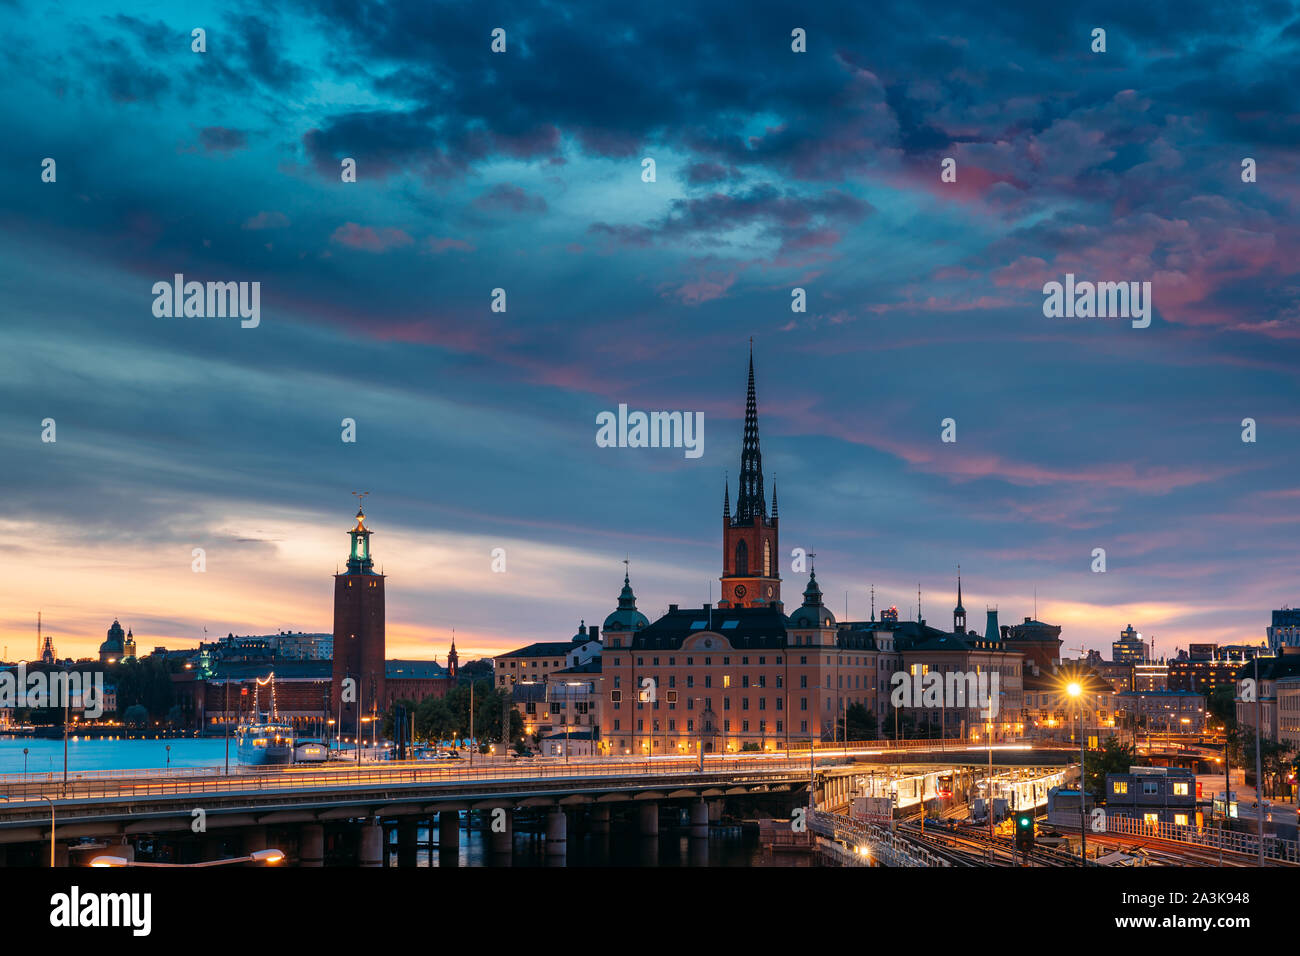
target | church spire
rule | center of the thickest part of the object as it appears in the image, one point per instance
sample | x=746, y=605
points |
x=959, y=612
x=750, y=498
x=726, y=498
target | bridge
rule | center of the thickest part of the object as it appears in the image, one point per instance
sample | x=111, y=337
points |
x=299, y=802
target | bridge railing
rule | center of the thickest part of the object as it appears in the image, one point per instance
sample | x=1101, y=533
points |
x=30, y=788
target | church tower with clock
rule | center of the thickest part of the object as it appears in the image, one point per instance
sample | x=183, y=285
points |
x=751, y=574
x=358, y=636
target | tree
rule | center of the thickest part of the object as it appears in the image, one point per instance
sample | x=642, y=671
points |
x=1113, y=757
x=860, y=724
x=1222, y=704
x=137, y=715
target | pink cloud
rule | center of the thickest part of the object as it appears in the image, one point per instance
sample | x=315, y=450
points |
x=355, y=236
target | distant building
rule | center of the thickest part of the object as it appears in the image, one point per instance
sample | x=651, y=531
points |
x=1287, y=691
x=1118, y=675
x=114, y=646
x=1151, y=676
x=1040, y=642
x=1285, y=629
x=1202, y=674
x=291, y=646
x=1266, y=677
x=358, y=631
x=556, y=684
x=537, y=661
x=1129, y=649
x=1162, y=711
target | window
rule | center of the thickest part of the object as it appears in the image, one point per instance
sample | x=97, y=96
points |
x=767, y=558
x=1180, y=789
x=708, y=680
x=726, y=680
x=615, y=696
x=1150, y=787
x=803, y=703
x=742, y=559
x=1180, y=819
x=803, y=681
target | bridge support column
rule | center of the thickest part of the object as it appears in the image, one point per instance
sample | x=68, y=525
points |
x=407, y=833
x=448, y=831
x=648, y=818
x=715, y=810
x=600, y=819
x=311, y=845
x=502, y=842
x=699, y=820
x=556, y=833
x=372, y=843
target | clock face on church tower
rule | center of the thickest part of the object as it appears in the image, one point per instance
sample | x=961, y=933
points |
x=741, y=590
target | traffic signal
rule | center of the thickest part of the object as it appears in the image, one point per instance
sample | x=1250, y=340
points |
x=1024, y=831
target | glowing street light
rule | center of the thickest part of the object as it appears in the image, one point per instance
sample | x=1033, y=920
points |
x=270, y=857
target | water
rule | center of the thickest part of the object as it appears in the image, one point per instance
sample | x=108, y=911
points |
x=622, y=848
x=112, y=753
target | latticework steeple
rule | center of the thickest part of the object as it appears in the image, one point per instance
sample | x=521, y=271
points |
x=751, y=501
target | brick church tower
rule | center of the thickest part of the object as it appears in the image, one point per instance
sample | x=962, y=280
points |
x=750, y=553
x=358, y=636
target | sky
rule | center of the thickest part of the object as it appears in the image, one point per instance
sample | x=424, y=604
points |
x=523, y=171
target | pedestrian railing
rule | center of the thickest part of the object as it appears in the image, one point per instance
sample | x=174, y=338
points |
x=1235, y=841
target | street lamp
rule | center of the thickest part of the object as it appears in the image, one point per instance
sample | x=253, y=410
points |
x=1075, y=690
x=269, y=857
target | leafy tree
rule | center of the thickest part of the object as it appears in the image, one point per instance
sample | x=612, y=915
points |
x=137, y=715
x=146, y=682
x=1222, y=704
x=1113, y=757
x=860, y=724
